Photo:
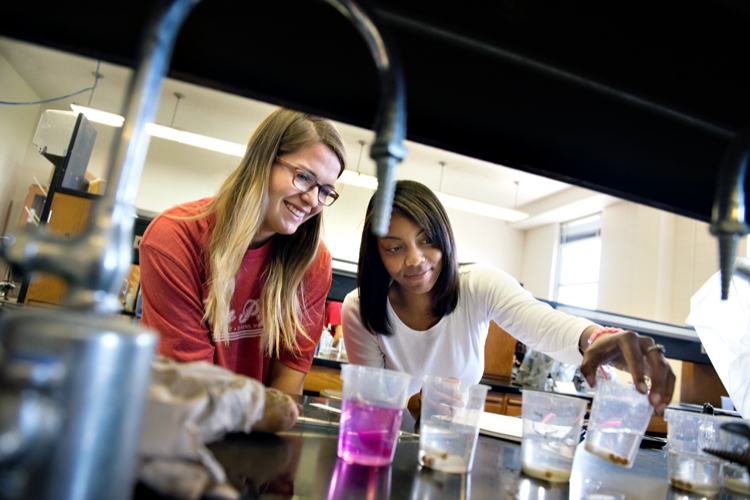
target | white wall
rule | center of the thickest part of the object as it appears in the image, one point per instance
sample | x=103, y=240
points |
x=17, y=126
x=487, y=240
x=540, y=261
x=652, y=261
x=634, y=261
x=478, y=238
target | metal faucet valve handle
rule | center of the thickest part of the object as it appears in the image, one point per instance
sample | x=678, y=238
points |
x=742, y=458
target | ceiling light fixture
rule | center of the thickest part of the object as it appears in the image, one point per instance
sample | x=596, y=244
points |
x=448, y=200
x=481, y=208
x=95, y=115
x=163, y=132
x=475, y=207
x=197, y=140
x=358, y=178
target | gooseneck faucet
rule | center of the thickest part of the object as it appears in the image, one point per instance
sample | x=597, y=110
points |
x=81, y=375
x=728, y=222
x=390, y=123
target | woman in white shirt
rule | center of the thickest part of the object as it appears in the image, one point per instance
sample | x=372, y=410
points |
x=417, y=311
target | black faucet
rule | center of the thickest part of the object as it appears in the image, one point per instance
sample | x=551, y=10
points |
x=728, y=218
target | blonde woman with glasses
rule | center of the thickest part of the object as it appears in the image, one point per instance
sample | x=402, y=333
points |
x=240, y=279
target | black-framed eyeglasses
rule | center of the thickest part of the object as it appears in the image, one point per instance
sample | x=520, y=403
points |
x=305, y=181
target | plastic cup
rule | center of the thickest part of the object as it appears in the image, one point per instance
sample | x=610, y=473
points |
x=449, y=423
x=618, y=421
x=358, y=481
x=736, y=477
x=690, y=468
x=551, y=431
x=373, y=400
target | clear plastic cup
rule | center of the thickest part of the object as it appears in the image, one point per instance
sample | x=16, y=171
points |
x=358, y=481
x=690, y=468
x=373, y=400
x=551, y=431
x=325, y=344
x=618, y=421
x=736, y=477
x=449, y=423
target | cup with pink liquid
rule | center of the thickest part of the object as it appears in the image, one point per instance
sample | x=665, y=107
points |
x=373, y=400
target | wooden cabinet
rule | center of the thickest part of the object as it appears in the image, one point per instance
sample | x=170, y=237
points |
x=498, y=353
x=322, y=377
x=68, y=215
x=498, y=366
x=503, y=403
x=701, y=384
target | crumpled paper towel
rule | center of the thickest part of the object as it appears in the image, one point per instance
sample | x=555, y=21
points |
x=724, y=329
x=191, y=404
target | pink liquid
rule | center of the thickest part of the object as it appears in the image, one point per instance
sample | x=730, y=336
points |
x=368, y=434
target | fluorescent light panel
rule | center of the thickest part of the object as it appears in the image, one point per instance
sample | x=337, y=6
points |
x=94, y=115
x=197, y=140
x=448, y=200
x=481, y=208
x=348, y=177
x=169, y=133
x=360, y=180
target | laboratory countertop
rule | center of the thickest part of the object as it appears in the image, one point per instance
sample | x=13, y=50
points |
x=302, y=463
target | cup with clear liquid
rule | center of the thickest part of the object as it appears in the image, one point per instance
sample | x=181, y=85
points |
x=736, y=476
x=618, y=421
x=551, y=431
x=690, y=468
x=373, y=400
x=449, y=423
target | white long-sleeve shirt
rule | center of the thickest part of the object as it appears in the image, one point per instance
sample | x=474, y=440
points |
x=454, y=347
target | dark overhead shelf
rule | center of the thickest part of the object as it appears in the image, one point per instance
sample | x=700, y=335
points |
x=635, y=99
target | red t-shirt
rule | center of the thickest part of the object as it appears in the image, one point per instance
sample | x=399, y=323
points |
x=333, y=313
x=173, y=285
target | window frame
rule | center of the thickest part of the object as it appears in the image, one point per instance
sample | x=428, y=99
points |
x=583, y=232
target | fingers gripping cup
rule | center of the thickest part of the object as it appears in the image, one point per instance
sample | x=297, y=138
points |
x=449, y=423
x=551, y=431
x=373, y=400
x=619, y=418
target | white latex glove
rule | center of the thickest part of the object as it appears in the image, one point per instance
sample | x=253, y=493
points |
x=191, y=404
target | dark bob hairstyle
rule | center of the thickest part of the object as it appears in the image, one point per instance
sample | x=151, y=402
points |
x=418, y=203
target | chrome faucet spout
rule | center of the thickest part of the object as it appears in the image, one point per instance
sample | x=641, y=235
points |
x=728, y=222
x=106, y=363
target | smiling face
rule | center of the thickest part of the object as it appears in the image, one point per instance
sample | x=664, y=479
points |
x=288, y=207
x=410, y=256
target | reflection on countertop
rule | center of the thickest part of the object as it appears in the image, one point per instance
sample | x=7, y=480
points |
x=302, y=462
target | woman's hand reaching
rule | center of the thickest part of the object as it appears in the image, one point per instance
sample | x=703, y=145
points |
x=636, y=354
x=447, y=399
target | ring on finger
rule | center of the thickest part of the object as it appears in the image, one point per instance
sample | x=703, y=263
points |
x=656, y=347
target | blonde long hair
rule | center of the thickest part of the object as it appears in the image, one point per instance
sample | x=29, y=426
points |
x=240, y=207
